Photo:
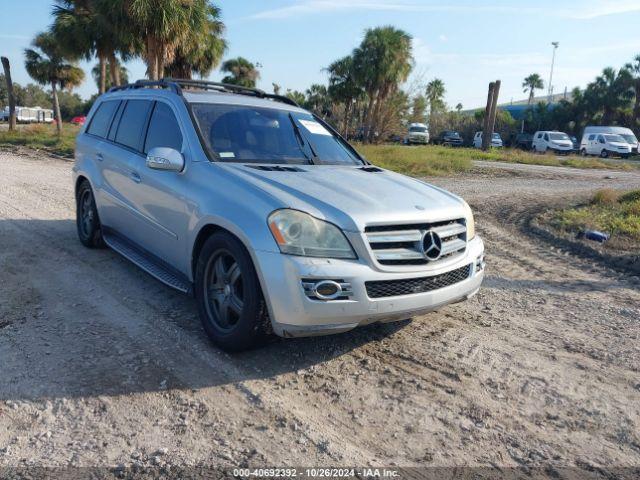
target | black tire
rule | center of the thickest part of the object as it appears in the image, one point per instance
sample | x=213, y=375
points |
x=604, y=153
x=87, y=219
x=230, y=301
x=583, y=152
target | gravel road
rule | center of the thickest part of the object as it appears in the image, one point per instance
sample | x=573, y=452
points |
x=101, y=365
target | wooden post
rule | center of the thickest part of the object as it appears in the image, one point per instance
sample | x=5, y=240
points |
x=486, y=137
x=10, y=93
x=494, y=107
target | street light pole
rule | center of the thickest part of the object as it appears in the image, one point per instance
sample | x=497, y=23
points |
x=553, y=61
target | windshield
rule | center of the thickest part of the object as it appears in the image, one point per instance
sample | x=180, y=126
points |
x=614, y=138
x=496, y=136
x=418, y=129
x=629, y=138
x=451, y=134
x=559, y=136
x=242, y=133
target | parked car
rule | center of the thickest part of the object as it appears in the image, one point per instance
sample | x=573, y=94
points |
x=523, y=141
x=626, y=133
x=556, y=142
x=605, y=145
x=29, y=115
x=448, y=138
x=496, y=140
x=264, y=213
x=79, y=120
x=418, y=133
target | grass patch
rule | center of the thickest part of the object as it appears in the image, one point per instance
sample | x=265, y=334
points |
x=42, y=137
x=437, y=160
x=609, y=211
x=417, y=161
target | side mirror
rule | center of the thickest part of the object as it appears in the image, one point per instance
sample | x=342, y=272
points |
x=164, y=158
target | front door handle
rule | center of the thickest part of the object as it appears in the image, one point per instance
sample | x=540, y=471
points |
x=99, y=157
x=135, y=177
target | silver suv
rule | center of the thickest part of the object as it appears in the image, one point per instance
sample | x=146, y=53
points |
x=264, y=213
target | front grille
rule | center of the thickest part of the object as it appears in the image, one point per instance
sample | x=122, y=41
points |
x=402, y=244
x=394, y=288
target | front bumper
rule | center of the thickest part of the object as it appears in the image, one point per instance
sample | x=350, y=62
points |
x=294, y=314
x=418, y=139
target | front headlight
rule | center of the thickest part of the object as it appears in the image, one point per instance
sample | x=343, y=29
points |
x=471, y=226
x=298, y=233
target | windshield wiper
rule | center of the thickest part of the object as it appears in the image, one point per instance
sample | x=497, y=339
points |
x=300, y=137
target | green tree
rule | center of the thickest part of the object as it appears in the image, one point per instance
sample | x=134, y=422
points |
x=202, y=52
x=240, y=72
x=418, y=109
x=296, y=96
x=46, y=64
x=459, y=107
x=276, y=88
x=382, y=62
x=633, y=70
x=610, y=92
x=435, y=94
x=318, y=100
x=344, y=88
x=96, y=73
x=530, y=84
x=163, y=26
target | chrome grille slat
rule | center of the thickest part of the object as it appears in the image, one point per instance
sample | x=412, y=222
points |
x=402, y=244
x=397, y=236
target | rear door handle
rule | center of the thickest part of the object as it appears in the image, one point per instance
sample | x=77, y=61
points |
x=135, y=177
x=99, y=157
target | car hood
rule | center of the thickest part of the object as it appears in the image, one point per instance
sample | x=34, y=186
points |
x=563, y=143
x=619, y=144
x=352, y=197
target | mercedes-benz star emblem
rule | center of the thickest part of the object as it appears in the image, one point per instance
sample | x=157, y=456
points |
x=431, y=245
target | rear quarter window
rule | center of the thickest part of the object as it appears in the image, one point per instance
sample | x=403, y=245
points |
x=102, y=118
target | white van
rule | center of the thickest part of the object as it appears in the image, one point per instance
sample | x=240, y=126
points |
x=604, y=145
x=496, y=140
x=418, y=133
x=624, y=132
x=557, y=142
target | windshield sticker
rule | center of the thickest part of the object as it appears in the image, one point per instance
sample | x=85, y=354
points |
x=227, y=155
x=314, y=127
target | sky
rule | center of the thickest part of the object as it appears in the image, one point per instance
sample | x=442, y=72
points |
x=466, y=43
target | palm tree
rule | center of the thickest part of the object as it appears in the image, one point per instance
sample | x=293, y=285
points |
x=418, y=109
x=634, y=75
x=46, y=64
x=344, y=87
x=381, y=63
x=163, y=26
x=610, y=92
x=85, y=28
x=435, y=95
x=241, y=72
x=96, y=73
x=532, y=83
x=459, y=107
x=318, y=100
x=203, y=51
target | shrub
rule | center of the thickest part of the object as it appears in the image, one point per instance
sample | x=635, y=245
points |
x=606, y=196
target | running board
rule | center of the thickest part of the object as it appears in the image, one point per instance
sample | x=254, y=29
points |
x=148, y=263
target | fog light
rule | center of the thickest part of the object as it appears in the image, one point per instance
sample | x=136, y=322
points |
x=327, y=290
x=480, y=263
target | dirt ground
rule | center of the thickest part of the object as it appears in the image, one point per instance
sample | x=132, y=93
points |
x=101, y=365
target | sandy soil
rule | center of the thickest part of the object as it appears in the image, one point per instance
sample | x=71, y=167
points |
x=101, y=365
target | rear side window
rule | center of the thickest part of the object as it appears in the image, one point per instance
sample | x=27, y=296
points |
x=102, y=118
x=164, y=130
x=591, y=137
x=133, y=123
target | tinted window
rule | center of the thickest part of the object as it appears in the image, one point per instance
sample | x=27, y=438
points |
x=238, y=133
x=132, y=123
x=102, y=118
x=591, y=137
x=546, y=137
x=163, y=129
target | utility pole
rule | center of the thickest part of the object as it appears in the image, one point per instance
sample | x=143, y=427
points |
x=553, y=61
x=486, y=136
x=10, y=93
x=494, y=109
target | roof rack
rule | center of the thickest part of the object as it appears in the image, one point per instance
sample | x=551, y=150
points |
x=177, y=85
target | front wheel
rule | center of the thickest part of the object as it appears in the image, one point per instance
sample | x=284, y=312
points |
x=229, y=297
x=87, y=220
x=583, y=152
x=604, y=153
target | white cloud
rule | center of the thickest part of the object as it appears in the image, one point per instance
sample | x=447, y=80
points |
x=443, y=38
x=602, y=8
